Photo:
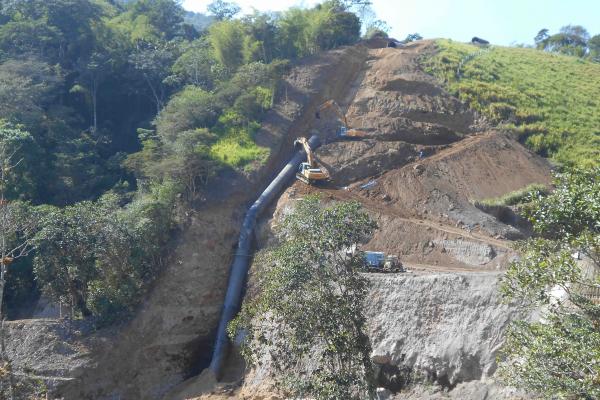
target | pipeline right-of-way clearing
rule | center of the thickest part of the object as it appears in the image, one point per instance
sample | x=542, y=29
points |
x=243, y=255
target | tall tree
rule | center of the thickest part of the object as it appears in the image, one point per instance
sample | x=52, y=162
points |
x=571, y=40
x=64, y=263
x=26, y=88
x=166, y=16
x=227, y=38
x=559, y=273
x=198, y=66
x=16, y=228
x=154, y=60
x=308, y=309
x=594, y=47
x=223, y=10
x=541, y=38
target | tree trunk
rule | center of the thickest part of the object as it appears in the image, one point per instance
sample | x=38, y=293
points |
x=95, y=104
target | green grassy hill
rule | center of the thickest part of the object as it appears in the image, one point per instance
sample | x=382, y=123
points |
x=551, y=101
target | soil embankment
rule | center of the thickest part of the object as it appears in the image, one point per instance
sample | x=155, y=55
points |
x=170, y=337
x=425, y=160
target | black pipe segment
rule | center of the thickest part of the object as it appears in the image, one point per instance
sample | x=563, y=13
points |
x=241, y=262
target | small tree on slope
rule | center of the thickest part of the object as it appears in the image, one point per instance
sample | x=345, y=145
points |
x=16, y=231
x=559, y=356
x=307, y=316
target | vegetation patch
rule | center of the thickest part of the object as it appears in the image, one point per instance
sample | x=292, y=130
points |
x=516, y=197
x=238, y=150
x=307, y=316
x=557, y=356
x=549, y=100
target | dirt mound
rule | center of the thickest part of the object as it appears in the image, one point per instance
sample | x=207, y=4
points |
x=424, y=162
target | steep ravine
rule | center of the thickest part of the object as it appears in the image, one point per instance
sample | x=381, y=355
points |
x=170, y=337
x=442, y=323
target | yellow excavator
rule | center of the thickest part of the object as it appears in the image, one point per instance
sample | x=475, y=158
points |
x=309, y=172
x=344, y=131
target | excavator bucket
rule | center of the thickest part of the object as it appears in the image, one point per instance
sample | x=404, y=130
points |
x=355, y=133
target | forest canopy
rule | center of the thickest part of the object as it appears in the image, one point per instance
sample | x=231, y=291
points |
x=121, y=112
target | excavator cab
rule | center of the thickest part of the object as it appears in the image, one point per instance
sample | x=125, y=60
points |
x=309, y=172
x=310, y=175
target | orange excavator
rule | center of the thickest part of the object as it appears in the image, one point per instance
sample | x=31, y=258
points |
x=344, y=131
x=309, y=172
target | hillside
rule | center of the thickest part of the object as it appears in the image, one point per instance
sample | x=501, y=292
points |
x=444, y=319
x=426, y=160
x=549, y=100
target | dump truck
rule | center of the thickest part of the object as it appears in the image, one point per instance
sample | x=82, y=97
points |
x=310, y=172
x=377, y=261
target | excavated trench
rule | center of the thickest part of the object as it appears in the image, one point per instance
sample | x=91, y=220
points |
x=243, y=254
x=443, y=319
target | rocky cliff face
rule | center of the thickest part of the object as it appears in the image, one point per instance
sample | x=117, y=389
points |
x=433, y=336
x=446, y=326
x=44, y=353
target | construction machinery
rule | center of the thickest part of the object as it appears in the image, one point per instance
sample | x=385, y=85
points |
x=377, y=261
x=309, y=172
x=344, y=132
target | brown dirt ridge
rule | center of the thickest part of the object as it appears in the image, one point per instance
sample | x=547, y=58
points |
x=423, y=205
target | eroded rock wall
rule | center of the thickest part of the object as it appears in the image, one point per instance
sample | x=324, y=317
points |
x=446, y=326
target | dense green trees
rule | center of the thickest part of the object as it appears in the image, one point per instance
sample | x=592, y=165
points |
x=304, y=32
x=79, y=76
x=573, y=40
x=227, y=40
x=97, y=258
x=60, y=61
x=223, y=10
x=559, y=355
x=197, y=65
x=307, y=312
x=127, y=97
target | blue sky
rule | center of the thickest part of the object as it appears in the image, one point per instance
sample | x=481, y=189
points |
x=499, y=21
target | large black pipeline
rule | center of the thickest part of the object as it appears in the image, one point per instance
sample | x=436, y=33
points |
x=241, y=262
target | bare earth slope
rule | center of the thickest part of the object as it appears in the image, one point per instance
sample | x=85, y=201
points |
x=170, y=337
x=424, y=206
x=444, y=319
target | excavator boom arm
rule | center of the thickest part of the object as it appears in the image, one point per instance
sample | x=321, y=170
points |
x=309, y=154
x=336, y=108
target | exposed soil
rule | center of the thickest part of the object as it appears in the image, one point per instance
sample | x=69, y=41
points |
x=422, y=204
x=423, y=207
